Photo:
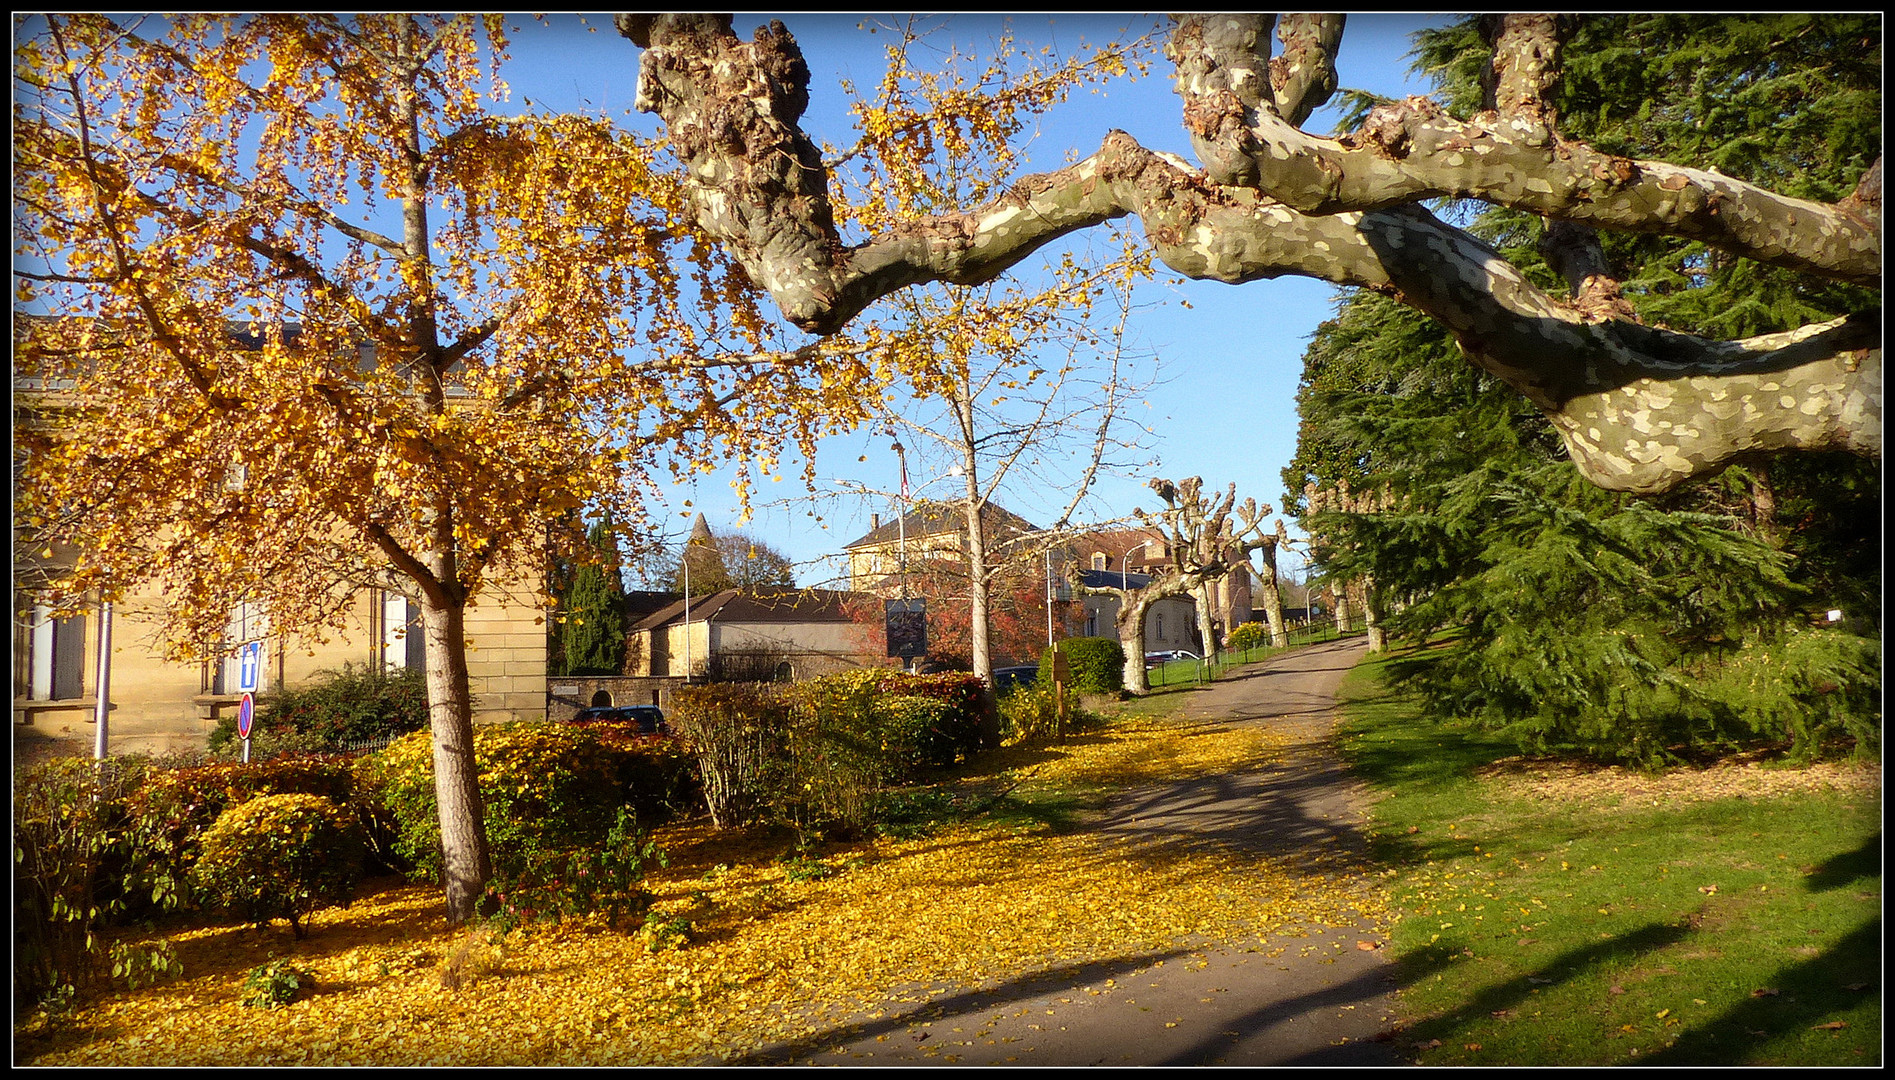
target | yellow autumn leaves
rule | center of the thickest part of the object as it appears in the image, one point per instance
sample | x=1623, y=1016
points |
x=770, y=956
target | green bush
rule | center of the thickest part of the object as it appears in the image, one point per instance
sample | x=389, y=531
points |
x=545, y=788
x=1096, y=665
x=920, y=731
x=68, y=849
x=275, y=984
x=169, y=812
x=1029, y=713
x=280, y=856
x=340, y=710
x=554, y=884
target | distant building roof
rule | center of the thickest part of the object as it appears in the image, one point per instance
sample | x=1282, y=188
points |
x=1112, y=579
x=932, y=518
x=786, y=605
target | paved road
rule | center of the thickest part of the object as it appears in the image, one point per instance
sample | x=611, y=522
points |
x=1321, y=1001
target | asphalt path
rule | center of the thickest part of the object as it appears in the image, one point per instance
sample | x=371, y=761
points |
x=1324, y=998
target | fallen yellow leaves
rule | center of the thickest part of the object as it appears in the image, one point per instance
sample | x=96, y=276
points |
x=769, y=959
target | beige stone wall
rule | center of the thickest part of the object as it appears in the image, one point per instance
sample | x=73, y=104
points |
x=811, y=649
x=158, y=705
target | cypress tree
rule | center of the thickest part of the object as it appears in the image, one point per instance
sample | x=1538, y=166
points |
x=593, y=636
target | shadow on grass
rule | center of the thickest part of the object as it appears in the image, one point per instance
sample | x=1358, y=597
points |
x=1848, y=867
x=1415, y=967
x=1806, y=994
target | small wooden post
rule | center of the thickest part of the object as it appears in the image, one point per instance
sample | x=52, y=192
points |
x=1061, y=676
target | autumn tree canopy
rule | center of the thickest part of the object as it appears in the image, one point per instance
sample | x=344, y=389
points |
x=1639, y=407
x=312, y=318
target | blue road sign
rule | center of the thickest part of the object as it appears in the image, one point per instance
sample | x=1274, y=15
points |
x=246, y=713
x=249, y=667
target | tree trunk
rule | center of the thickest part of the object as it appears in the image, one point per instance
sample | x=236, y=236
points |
x=1205, y=594
x=464, y=856
x=979, y=636
x=1344, y=617
x=1131, y=627
x=1272, y=597
x=1372, y=615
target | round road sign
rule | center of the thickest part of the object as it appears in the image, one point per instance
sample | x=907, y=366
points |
x=246, y=712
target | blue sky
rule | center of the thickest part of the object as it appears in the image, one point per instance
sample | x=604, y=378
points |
x=1230, y=361
x=1226, y=411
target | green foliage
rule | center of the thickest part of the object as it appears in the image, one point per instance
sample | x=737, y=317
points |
x=592, y=634
x=545, y=788
x=1791, y=101
x=1097, y=665
x=815, y=756
x=280, y=856
x=168, y=813
x=1626, y=629
x=835, y=758
x=550, y=884
x=1582, y=620
x=275, y=984
x=737, y=732
x=920, y=732
x=68, y=838
x=337, y=710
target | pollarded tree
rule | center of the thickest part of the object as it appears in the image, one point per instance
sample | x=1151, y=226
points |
x=315, y=320
x=1203, y=545
x=1639, y=407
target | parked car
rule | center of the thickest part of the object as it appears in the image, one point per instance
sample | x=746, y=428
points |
x=648, y=719
x=1153, y=659
x=1008, y=679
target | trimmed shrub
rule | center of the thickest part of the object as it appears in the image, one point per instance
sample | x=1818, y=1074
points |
x=168, y=814
x=1029, y=713
x=337, y=711
x=1250, y=635
x=919, y=731
x=280, y=856
x=1097, y=665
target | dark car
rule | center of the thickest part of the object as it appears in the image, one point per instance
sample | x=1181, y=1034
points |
x=1153, y=659
x=646, y=719
x=1009, y=679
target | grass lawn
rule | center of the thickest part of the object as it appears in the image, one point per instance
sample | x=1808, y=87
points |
x=979, y=881
x=1559, y=915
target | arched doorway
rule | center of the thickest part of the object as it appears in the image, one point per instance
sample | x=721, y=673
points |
x=601, y=699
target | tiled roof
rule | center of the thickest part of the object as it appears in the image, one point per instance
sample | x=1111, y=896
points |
x=932, y=518
x=758, y=606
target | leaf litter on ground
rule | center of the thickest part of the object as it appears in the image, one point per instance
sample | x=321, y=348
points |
x=767, y=958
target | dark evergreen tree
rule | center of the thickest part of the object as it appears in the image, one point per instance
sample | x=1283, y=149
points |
x=1625, y=628
x=592, y=633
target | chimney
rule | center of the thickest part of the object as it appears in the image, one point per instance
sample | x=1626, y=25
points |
x=875, y=521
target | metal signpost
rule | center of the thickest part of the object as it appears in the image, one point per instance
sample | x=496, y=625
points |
x=249, y=673
x=246, y=714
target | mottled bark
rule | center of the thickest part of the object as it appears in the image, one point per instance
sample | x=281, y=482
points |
x=1641, y=409
x=1413, y=150
x=1130, y=625
x=1268, y=588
